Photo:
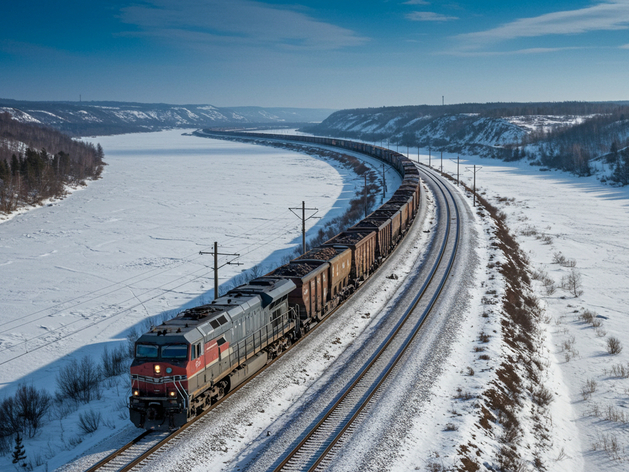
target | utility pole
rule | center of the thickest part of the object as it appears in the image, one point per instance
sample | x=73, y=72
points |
x=303, y=222
x=384, y=183
x=474, y=188
x=458, y=160
x=457, y=169
x=429, y=154
x=215, y=253
x=418, y=153
x=365, y=195
x=441, y=162
x=407, y=151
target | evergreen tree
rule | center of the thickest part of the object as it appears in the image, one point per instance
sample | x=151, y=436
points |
x=612, y=157
x=100, y=154
x=19, y=454
x=15, y=165
x=621, y=173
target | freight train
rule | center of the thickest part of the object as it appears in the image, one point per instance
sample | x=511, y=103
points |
x=191, y=361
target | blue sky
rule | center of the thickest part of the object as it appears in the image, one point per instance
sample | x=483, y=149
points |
x=329, y=54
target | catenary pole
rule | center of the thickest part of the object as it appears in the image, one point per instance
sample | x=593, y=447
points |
x=215, y=253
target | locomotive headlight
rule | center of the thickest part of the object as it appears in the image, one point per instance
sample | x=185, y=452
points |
x=172, y=394
x=136, y=393
x=169, y=370
x=157, y=368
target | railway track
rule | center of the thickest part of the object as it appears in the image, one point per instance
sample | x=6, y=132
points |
x=310, y=451
x=143, y=447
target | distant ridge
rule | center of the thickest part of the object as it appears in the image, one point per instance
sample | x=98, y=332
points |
x=105, y=117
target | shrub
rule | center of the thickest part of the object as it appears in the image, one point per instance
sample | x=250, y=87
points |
x=132, y=337
x=32, y=405
x=559, y=258
x=89, y=421
x=112, y=362
x=587, y=316
x=613, y=345
x=79, y=380
x=543, y=396
x=572, y=283
x=23, y=412
x=588, y=389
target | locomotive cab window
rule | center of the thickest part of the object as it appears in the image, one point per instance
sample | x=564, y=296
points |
x=175, y=351
x=148, y=351
x=196, y=350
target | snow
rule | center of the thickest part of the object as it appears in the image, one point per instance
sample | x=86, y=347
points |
x=79, y=273
x=546, y=123
x=555, y=212
x=134, y=236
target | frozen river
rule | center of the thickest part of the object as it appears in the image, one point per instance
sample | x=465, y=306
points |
x=80, y=272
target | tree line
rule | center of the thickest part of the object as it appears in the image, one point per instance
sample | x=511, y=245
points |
x=37, y=163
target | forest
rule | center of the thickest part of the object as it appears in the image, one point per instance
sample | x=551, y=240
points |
x=38, y=163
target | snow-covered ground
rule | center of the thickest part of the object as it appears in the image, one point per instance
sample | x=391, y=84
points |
x=556, y=214
x=113, y=222
x=77, y=274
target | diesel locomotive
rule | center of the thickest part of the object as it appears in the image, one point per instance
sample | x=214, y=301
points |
x=191, y=361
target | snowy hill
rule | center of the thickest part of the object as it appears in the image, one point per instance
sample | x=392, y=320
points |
x=82, y=118
x=491, y=129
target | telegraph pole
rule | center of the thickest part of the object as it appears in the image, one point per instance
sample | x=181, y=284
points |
x=365, y=195
x=215, y=253
x=457, y=169
x=458, y=159
x=384, y=183
x=474, y=188
x=303, y=222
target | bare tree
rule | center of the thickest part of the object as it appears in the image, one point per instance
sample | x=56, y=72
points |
x=79, y=380
x=572, y=283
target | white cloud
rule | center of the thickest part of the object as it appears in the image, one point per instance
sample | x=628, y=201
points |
x=517, y=52
x=606, y=16
x=416, y=2
x=235, y=22
x=428, y=16
x=624, y=46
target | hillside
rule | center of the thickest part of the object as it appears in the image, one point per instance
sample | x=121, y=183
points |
x=569, y=136
x=37, y=163
x=105, y=118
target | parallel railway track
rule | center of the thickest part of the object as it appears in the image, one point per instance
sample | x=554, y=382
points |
x=310, y=450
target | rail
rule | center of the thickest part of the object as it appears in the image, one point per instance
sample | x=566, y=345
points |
x=393, y=158
x=317, y=443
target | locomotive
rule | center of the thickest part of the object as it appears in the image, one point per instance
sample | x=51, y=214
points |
x=193, y=360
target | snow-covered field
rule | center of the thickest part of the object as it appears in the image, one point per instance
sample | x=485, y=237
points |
x=77, y=274
x=556, y=214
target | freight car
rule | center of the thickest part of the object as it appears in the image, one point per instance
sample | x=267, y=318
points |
x=191, y=361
